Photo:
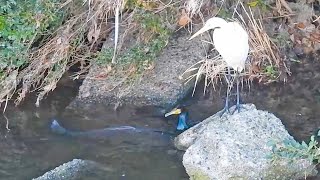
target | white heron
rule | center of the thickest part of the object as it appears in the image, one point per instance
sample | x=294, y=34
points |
x=231, y=40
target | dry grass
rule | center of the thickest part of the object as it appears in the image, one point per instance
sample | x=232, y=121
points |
x=263, y=52
x=98, y=14
x=48, y=64
x=213, y=69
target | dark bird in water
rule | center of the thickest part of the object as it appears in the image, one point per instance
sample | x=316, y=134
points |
x=183, y=117
x=130, y=134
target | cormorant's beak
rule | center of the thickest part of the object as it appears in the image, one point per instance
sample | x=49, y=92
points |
x=202, y=30
x=175, y=111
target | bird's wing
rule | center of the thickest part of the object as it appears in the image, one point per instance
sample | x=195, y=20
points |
x=231, y=42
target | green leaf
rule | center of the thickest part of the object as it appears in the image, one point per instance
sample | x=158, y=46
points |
x=254, y=3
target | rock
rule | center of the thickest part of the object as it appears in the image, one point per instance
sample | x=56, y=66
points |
x=161, y=87
x=236, y=147
x=75, y=169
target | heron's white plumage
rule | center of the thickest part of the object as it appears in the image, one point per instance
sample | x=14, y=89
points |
x=230, y=40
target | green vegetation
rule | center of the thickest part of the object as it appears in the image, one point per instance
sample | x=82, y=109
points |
x=21, y=23
x=271, y=71
x=259, y=3
x=282, y=40
x=153, y=37
x=291, y=150
x=226, y=14
x=199, y=176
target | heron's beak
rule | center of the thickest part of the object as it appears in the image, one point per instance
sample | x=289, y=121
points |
x=175, y=111
x=202, y=30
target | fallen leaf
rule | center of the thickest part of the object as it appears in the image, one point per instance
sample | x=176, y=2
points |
x=300, y=25
x=184, y=19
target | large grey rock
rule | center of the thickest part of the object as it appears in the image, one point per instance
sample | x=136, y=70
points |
x=160, y=87
x=236, y=147
x=75, y=169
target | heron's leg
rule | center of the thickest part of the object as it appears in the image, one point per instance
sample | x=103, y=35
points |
x=238, y=94
x=226, y=105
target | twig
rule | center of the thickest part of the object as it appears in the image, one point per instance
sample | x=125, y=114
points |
x=4, y=110
x=7, y=122
x=166, y=5
x=318, y=18
x=116, y=33
x=65, y=3
x=276, y=17
x=285, y=4
x=219, y=8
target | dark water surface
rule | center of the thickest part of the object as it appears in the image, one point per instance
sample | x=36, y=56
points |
x=30, y=148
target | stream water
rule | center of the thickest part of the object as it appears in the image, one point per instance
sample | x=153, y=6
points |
x=30, y=149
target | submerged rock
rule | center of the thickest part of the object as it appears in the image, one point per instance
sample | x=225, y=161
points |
x=75, y=169
x=159, y=87
x=236, y=147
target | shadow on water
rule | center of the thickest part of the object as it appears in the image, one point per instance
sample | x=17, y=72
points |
x=30, y=148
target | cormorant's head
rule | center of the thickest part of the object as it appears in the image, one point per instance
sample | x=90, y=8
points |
x=182, y=117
